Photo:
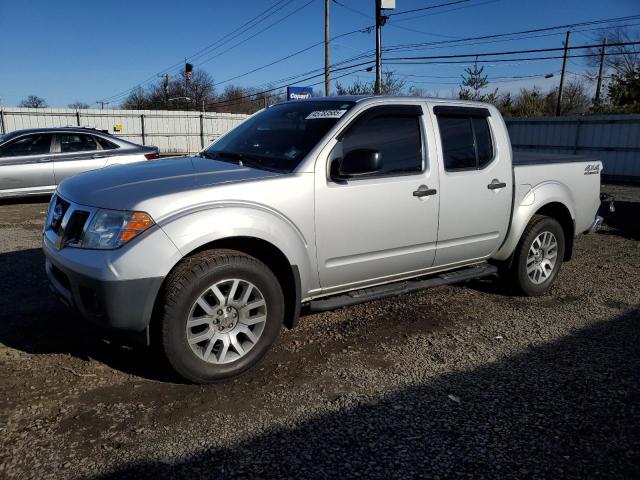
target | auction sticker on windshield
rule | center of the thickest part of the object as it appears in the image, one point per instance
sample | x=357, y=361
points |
x=325, y=114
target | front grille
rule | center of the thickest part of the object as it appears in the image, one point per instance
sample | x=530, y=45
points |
x=66, y=224
x=73, y=230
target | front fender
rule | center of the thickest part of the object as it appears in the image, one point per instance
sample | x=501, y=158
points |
x=191, y=230
x=539, y=196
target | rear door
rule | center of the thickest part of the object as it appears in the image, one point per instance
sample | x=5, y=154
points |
x=476, y=183
x=76, y=153
x=374, y=228
x=25, y=164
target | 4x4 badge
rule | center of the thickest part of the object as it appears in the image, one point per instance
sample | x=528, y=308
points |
x=592, y=169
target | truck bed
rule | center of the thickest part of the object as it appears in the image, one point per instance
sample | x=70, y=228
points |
x=579, y=177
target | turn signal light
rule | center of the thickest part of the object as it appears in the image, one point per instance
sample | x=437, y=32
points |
x=137, y=224
x=152, y=156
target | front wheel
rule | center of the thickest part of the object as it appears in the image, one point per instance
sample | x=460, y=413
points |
x=222, y=311
x=538, y=256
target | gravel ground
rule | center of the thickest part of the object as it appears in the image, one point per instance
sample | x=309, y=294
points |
x=460, y=381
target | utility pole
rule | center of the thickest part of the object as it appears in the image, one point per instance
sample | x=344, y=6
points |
x=599, y=84
x=165, y=90
x=564, y=68
x=327, y=80
x=378, y=47
x=102, y=103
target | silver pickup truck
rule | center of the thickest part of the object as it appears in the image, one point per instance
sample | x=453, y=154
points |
x=311, y=205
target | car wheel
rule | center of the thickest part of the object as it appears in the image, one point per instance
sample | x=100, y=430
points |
x=222, y=311
x=538, y=256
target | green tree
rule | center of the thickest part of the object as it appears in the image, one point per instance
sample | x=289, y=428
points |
x=473, y=81
x=624, y=91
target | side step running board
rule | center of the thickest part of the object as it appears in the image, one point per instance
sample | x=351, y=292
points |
x=399, y=288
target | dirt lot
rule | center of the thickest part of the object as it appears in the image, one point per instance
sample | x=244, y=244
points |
x=451, y=382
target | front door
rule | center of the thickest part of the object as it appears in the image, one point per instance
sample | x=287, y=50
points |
x=476, y=183
x=25, y=164
x=375, y=227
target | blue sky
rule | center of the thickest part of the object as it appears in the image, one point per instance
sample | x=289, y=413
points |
x=70, y=50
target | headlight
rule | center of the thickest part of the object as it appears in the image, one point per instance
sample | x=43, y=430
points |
x=113, y=228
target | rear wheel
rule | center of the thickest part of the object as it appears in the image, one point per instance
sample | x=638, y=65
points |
x=538, y=256
x=222, y=311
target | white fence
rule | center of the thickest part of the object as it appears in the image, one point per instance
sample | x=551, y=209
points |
x=172, y=131
x=614, y=139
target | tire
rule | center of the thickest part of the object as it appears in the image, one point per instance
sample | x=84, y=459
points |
x=531, y=273
x=204, y=317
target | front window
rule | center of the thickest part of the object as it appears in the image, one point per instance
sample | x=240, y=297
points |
x=279, y=137
x=29, y=145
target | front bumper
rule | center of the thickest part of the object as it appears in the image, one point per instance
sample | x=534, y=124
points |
x=113, y=288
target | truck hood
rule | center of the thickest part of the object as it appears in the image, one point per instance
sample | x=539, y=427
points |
x=123, y=187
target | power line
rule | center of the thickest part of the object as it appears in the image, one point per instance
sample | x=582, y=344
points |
x=512, y=52
x=441, y=12
x=499, y=35
x=401, y=27
x=524, y=37
x=501, y=60
x=431, y=7
x=202, y=62
x=273, y=9
x=222, y=102
x=361, y=30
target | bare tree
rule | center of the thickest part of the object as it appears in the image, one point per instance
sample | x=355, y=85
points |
x=174, y=94
x=78, y=105
x=391, y=85
x=33, y=101
x=620, y=60
x=575, y=99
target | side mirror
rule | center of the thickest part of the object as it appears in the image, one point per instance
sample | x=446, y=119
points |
x=360, y=162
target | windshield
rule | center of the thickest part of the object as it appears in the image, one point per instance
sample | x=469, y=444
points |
x=279, y=137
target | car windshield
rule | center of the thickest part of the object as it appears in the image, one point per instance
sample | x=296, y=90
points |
x=279, y=137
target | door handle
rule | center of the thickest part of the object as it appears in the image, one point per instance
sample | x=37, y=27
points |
x=43, y=160
x=424, y=191
x=96, y=155
x=495, y=184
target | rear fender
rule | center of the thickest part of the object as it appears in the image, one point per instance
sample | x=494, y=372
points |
x=539, y=196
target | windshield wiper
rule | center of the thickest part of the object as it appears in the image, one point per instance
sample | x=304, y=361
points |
x=244, y=159
x=220, y=154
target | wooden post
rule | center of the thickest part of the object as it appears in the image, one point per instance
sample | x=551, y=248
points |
x=142, y=129
x=564, y=68
x=599, y=85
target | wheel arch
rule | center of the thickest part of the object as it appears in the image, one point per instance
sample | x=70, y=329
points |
x=551, y=199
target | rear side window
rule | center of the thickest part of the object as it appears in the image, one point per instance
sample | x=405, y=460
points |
x=29, y=145
x=106, y=144
x=75, y=142
x=466, y=142
x=396, y=137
